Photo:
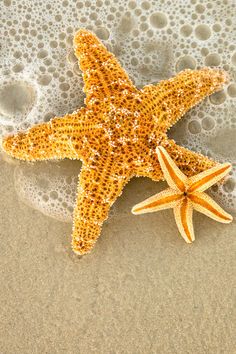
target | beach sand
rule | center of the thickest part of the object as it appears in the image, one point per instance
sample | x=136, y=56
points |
x=142, y=289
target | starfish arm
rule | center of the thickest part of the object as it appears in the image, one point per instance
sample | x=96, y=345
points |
x=166, y=199
x=206, y=205
x=184, y=219
x=59, y=138
x=102, y=74
x=171, y=99
x=99, y=186
x=146, y=163
x=189, y=162
x=174, y=177
x=206, y=179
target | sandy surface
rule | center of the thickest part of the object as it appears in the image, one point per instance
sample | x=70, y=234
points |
x=142, y=290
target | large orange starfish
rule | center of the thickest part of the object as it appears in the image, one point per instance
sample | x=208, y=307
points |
x=116, y=134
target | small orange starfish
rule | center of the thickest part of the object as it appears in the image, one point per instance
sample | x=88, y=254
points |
x=116, y=134
x=186, y=194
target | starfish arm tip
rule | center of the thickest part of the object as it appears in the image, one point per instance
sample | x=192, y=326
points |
x=189, y=241
x=135, y=210
x=204, y=204
x=81, y=247
x=228, y=218
x=79, y=253
x=167, y=199
x=160, y=149
x=208, y=178
x=229, y=165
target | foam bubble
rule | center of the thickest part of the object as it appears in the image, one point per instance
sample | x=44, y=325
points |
x=186, y=30
x=48, y=187
x=200, y=8
x=16, y=100
x=17, y=68
x=218, y=97
x=186, y=62
x=203, y=32
x=126, y=24
x=216, y=27
x=145, y=5
x=194, y=127
x=102, y=33
x=44, y=79
x=158, y=20
x=232, y=90
x=7, y=2
x=213, y=59
x=208, y=123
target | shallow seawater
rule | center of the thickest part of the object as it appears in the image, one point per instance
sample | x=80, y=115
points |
x=142, y=290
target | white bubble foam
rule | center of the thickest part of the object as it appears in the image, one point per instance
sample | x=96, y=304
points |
x=153, y=40
x=48, y=187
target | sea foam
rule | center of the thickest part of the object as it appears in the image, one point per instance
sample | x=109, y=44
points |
x=153, y=40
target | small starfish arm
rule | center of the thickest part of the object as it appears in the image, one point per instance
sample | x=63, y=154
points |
x=183, y=213
x=171, y=199
x=171, y=99
x=206, y=179
x=173, y=176
x=204, y=204
x=102, y=74
x=99, y=186
x=166, y=199
x=57, y=139
x=189, y=162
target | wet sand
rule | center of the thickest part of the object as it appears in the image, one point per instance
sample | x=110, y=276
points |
x=142, y=289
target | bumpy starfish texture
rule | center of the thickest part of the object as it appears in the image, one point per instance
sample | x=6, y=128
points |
x=186, y=194
x=116, y=133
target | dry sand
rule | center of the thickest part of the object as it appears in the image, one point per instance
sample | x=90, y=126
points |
x=142, y=289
